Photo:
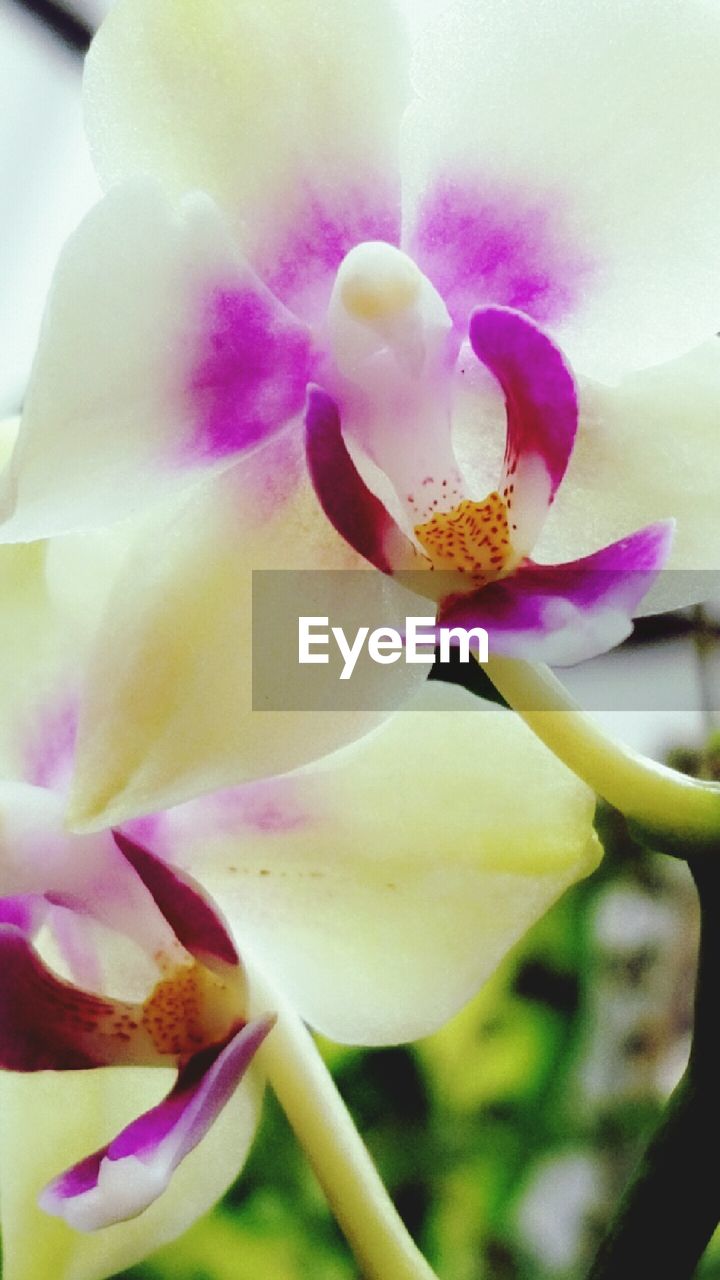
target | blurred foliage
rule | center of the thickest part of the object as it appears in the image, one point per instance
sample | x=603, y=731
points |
x=506, y=1138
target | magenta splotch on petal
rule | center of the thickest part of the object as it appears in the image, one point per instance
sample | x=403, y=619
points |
x=503, y=246
x=123, y=1178
x=265, y=807
x=194, y=921
x=269, y=807
x=49, y=753
x=566, y=613
x=301, y=268
x=356, y=513
x=250, y=376
x=202, y=1088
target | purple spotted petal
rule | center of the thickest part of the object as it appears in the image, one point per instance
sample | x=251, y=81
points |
x=566, y=613
x=250, y=374
x=359, y=517
x=124, y=1178
x=542, y=413
x=194, y=920
x=46, y=1023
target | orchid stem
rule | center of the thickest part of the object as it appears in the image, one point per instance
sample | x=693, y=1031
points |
x=323, y=1126
x=658, y=798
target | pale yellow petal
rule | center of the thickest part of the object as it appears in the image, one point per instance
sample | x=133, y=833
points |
x=562, y=159
x=47, y=621
x=379, y=888
x=49, y=1120
x=169, y=706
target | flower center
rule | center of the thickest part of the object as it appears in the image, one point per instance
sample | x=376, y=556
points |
x=189, y=1010
x=473, y=538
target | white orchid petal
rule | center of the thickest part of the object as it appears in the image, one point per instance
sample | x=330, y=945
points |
x=286, y=114
x=378, y=889
x=562, y=160
x=161, y=356
x=647, y=450
x=159, y=725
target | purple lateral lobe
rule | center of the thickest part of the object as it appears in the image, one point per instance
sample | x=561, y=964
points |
x=193, y=919
x=203, y=1087
x=157, y=1141
x=507, y=248
x=47, y=1024
x=567, y=613
x=300, y=268
x=538, y=385
x=250, y=375
x=359, y=517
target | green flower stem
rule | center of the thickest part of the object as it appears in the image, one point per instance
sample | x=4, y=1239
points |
x=657, y=798
x=307, y=1093
x=672, y=1206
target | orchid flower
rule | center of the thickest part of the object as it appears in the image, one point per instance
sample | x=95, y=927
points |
x=193, y=1018
x=153, y=977
x=557, y=613
x=287, y=208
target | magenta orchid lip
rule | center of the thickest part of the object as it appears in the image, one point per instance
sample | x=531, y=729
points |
x=194, y=1018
